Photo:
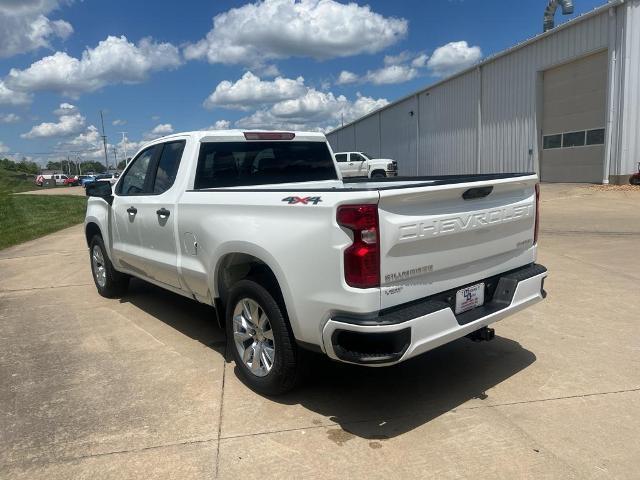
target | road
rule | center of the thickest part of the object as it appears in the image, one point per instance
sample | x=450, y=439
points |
x=139, y=387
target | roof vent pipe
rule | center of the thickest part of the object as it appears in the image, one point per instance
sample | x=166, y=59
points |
x=550, y=11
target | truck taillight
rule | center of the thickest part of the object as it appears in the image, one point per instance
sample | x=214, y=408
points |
x=362, y=258
x=269, y=135
x=537, y=227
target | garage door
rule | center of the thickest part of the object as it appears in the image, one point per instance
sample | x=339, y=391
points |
x=574, y=105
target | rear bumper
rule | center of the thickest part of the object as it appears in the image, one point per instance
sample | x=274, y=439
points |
x=392, y=336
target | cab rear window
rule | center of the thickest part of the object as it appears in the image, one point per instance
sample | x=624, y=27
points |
x=235, y=164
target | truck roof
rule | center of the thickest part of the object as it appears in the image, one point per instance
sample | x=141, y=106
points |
x=238, y=134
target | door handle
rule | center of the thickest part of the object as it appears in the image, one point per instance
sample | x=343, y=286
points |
x=351, y=164
x=132, y=210
x=163, y=212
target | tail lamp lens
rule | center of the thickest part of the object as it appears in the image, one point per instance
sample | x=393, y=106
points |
x=362, y=257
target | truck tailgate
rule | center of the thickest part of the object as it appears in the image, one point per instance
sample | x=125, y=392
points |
x=432, y=239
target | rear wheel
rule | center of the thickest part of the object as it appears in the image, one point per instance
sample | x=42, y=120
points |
x=378, y=174
x=109, y=282
x=261, y=341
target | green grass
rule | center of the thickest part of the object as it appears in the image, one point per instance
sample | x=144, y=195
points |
x=25, y=217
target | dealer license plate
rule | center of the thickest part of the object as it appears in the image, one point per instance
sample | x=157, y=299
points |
x=470, y=297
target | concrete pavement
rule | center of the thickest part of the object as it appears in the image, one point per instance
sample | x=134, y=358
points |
x=138, y=387
x=75, y=191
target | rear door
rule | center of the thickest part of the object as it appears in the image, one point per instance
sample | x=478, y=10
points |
x=433, y=240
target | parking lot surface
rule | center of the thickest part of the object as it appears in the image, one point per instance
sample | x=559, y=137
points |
x=76, y=191
x=139, y=387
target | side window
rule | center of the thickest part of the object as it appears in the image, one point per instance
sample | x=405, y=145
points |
x=356, y=157
x=168, y=166
x=341, y=157
x=134, y=179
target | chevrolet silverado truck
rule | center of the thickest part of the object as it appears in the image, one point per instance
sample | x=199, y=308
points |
x=262, y=226
x=360, y=164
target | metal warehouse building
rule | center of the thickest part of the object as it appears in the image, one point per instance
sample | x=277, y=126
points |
x=565, y=104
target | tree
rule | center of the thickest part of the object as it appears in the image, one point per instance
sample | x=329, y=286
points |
x=121, y=165
x=88, y=166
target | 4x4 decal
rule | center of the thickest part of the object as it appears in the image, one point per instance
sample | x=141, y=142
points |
x=302, y=200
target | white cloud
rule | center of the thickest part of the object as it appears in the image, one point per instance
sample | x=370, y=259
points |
x=347, y=77
x=314, y=110
x=397, y=69
x=118, y=122
x=69, y=122
x=89, y=139
x=24, y=26
x=114, y=60
x=9, y=118
x=4, y=148
x=65, y=109
x=452, y=58
x=221, y=125
x=9, y=97
x=272, y=29
x=401, y=57
x=268, y=71
x=250, y=91
x=420, y=61
x=391, y=74
x=159, y=130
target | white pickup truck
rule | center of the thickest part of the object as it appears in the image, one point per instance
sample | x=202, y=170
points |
x=262, y=226
x=359, y=164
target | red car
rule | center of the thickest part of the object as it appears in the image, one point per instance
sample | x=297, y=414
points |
x=72, y=181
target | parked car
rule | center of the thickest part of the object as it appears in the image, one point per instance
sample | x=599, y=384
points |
x=87, y=179
x=262, y=226
x=83, y=177
x=360, y=164
x=112, y=178
x=56, y=178
x=72, y=181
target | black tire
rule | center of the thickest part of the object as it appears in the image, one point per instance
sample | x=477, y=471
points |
x=285, y=371
x=115, y=283
x=378, y=175
x=634, y=180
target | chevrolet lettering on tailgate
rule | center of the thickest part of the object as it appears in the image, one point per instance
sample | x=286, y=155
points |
x=464, y=222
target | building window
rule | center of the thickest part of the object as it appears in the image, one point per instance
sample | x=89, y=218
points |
x=595, y=137
x=573, y=139
x=552, y=141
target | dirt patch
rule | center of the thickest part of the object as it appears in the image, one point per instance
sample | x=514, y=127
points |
x=615, y=188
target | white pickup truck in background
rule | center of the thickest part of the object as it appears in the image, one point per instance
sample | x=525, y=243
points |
x=359, y=164
x=262, y=226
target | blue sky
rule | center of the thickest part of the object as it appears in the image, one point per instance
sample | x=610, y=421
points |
x=270, y=64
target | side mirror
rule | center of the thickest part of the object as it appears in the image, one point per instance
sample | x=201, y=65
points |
x=101, y=190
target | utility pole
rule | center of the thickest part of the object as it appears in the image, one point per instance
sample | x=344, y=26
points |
x=115, y=157
x=124, y=147
x=104, y=142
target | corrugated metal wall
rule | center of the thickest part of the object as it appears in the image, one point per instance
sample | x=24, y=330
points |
x=447, y=118
x=398, y=128
x=448, y=126
x=628, y=140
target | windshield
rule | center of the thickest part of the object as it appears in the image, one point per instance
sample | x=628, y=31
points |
x=233, y=164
